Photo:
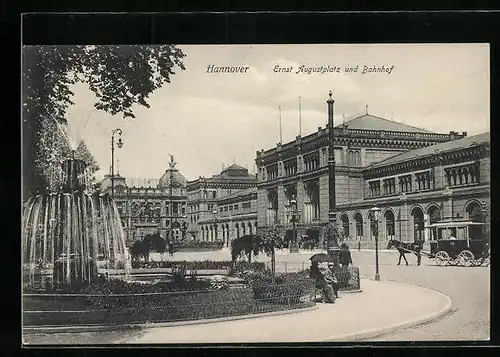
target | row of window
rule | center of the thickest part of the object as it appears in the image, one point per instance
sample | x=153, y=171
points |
x=150, y=209
x=211, y=232
x=423, y=181
x=462, y=175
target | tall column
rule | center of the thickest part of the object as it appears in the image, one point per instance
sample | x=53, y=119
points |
x=300, y=198
x=281, y=204
x=331, y=162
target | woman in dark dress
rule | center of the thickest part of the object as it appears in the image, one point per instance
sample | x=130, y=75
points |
x=345, y=256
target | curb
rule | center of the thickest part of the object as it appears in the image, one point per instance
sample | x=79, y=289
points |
x=140, y=326
x=376, y=332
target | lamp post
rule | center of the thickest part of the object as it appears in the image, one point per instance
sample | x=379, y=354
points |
x=184, y=227
x=119, y=144
x=293, y=214
x=375, y=215
x=216, y=222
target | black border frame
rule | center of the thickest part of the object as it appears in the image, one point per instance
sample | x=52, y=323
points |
x=239, y=27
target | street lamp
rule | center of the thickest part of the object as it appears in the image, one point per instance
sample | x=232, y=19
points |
x=119, y=144
x=216, y=222
x=293, y=214
x=375, y=216
x=184, y=227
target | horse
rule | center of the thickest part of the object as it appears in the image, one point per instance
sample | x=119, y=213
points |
x=404, y=247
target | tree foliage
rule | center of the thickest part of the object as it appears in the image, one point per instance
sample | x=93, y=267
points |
x=119, y=76
x=270, y=240
x=333, y=235
x=247, y=245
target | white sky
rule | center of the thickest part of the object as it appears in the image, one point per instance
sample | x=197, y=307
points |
x=206, y=120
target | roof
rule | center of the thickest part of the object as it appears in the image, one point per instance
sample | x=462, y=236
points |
x=234, y=167
x=448, y=146
x=372, y=122
x=172, y=177
x=239, y=193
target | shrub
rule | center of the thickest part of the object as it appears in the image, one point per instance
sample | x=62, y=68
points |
x=201, y=265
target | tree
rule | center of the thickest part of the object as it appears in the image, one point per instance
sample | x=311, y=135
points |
x=53, y=149
x=119, y=76
x=246, y=244
x=334, y=237
x=269, y=241
x=157, y=243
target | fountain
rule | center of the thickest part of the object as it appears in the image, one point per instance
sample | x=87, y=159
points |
x=65, y=233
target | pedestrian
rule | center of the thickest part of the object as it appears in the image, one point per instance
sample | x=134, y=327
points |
x=345, y=255
x=171, y=249
x=359, y=246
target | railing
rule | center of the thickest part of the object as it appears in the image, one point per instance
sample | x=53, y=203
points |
x=79, y=309
x=348, y=277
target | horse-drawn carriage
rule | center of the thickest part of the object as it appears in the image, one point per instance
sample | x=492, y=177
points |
x=462, y=243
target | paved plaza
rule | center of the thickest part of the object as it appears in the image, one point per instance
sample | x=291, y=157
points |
x=353, y=316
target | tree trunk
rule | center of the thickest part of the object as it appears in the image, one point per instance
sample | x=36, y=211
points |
x=250, y=257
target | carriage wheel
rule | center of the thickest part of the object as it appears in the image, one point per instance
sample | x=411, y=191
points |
x=442, y=258
x=466, y=258
x=454, y=261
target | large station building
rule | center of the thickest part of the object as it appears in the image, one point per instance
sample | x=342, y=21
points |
x=415, y=176
x=222, y=207
x=149, y=206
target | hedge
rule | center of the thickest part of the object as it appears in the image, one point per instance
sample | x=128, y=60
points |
x=201, y=265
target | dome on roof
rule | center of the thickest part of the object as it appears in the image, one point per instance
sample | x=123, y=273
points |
x=172, y=177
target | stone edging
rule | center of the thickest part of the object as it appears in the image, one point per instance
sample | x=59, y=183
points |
x=140, y=326
x=364, y=335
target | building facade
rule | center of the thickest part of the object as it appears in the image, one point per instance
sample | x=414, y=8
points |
x=151, y=206
x=363, y=149
x=415, y=189
x=216, y=210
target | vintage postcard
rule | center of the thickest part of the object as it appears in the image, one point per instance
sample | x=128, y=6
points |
x=255, y=193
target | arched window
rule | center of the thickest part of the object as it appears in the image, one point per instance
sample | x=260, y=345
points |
x=345, y=225
x=237, y=230
x=418, y=223
x=250, y=228
x=243, y=228
x=475, y=214
x=389, y=224
x=359, y=225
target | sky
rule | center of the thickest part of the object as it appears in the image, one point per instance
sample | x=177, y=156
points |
x=207, y=120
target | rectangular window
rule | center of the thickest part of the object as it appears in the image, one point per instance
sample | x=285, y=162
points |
x=235, y=207
x=210, y=207
x=423, y=180
x=405, y=183
x=389, y=186
x=374, y=188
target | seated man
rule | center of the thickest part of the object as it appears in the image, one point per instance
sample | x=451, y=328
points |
x=317, y=274
x=331, y=279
